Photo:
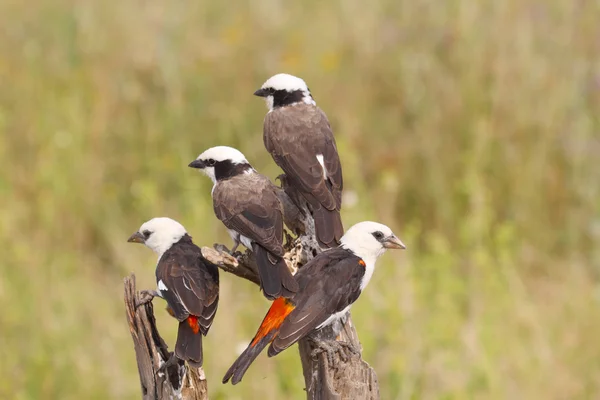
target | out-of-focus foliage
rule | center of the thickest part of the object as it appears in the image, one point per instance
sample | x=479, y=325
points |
x=472, y=128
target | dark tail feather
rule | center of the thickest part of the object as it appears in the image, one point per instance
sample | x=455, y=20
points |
x=189, y=342
x=276, y=280
x=290, y=286
x=240, y=366
x=328, y=224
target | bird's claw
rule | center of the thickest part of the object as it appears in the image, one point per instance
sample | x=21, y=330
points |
x=233, y=252
x=146, y=297
x=221, y=248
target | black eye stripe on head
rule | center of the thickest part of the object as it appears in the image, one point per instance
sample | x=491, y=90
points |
x=227, y=169
x=210, y=161
x=284, y=97
x=146, y=234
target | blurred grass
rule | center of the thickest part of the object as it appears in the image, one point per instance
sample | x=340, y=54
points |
x=471, y=128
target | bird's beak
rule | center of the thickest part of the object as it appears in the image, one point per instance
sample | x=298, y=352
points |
x=261, y=93
x=136, y=238
x=392, y=242
x=196, y=164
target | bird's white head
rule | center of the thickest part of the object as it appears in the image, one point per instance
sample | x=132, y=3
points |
x=221, y=162
x=159, y=234
x=369, y=240
x=283, y=90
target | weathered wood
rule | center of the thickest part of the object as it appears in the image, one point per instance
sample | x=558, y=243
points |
x=340, y=374
x=180, y=381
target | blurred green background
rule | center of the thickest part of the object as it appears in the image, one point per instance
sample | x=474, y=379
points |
x=471, y=128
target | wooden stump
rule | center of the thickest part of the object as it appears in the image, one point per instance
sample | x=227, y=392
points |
x=336, y=376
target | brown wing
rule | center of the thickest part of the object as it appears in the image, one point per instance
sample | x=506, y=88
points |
x=295, y=136
x=328, y=284
x=248, y=204
x=192, y=283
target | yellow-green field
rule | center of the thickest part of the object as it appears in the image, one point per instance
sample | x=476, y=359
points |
x=471, y=128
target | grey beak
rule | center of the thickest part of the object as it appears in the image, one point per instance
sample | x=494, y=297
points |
x=261, y=93
x=137, y=238
x=393, y=242
x=196, y=164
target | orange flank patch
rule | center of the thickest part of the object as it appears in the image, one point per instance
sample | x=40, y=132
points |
x=193, y=323
x=361, y=262
x=280, y=309
x=171, y=312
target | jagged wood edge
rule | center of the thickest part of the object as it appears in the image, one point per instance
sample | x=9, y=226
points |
x=325, y=379
x=151, y=351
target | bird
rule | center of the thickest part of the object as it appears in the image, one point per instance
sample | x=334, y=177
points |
x=247, y=204
x=297, y=134
x=186, y=280
x=329, y=284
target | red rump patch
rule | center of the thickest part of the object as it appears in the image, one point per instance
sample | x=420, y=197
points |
x=361, y=262
x=274, y=318
x=193, y=323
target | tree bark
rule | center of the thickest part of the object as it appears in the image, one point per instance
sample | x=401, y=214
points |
x=343, y=376
x=178, y=381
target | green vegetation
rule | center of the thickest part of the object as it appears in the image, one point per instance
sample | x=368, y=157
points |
x=472, y=128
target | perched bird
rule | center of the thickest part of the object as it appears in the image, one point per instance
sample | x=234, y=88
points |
x=246, y=202
x=297, y=134
x=186, y=280
x=329, y=284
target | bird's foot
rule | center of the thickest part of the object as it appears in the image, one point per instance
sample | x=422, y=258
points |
x=146, y=297
x=335, y=350
x=228, y=256
x=236, y=253
x=221, y=248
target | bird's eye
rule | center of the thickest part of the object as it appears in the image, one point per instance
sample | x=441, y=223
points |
x=378, y=235
x=146, y=234
x=210, y=161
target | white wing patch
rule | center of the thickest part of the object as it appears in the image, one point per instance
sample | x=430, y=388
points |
x=162, y=287
x=322, y=162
